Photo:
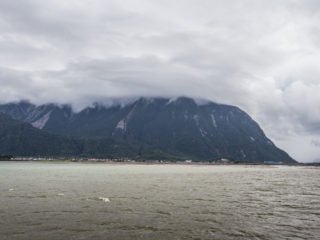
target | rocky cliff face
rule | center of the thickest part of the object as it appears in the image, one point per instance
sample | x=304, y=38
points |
x=158, y=126
x=42, y=117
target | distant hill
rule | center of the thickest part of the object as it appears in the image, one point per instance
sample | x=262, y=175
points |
x=152, y=128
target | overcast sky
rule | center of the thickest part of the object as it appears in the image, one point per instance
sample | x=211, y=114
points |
x=262, y=56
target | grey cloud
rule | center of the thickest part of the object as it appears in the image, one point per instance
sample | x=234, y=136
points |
x=315, y=143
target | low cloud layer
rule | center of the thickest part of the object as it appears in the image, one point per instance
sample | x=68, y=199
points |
x=262, y=56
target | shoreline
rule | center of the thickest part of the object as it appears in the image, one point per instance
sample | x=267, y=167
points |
x=164, y=163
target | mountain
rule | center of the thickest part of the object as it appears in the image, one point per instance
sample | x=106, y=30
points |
x=22, y=139
x=153, y=128
x=43, y=117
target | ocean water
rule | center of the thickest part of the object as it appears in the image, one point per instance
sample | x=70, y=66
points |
x=105, y=201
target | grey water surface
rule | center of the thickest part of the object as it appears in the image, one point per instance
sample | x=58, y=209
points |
x=118, y=201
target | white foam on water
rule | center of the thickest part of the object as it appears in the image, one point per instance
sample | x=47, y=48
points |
x=104, y=199
x=60, y=194
x=11, y=189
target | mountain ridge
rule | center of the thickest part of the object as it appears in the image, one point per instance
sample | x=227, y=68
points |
x=180, y=127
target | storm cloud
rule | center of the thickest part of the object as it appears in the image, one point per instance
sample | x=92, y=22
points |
x=262, y=56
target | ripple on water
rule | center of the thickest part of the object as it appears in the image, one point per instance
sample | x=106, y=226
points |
x=28, y=196
x=139, y=228
x=163, y=213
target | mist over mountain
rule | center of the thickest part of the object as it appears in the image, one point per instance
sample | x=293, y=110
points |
x=262, y=57
x=181, y=128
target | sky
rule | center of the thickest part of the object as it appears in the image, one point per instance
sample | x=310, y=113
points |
x=262, y=56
